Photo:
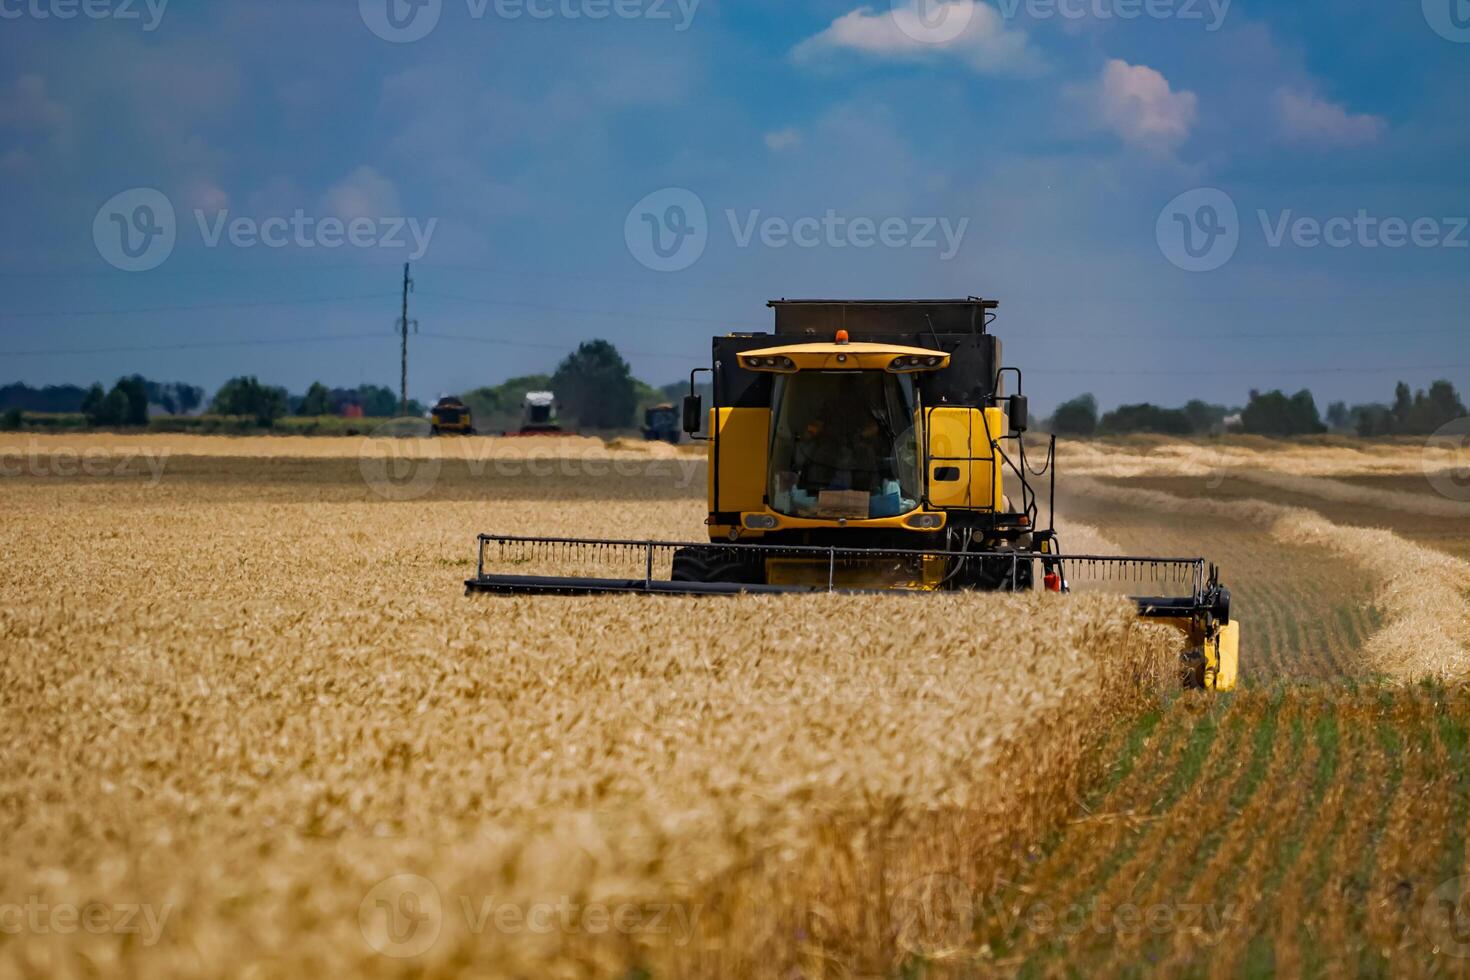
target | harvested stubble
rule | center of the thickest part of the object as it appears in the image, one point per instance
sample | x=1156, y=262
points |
x=249, y=714
x=1423, y=594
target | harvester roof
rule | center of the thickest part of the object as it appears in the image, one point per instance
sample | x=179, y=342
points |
x=841, y=355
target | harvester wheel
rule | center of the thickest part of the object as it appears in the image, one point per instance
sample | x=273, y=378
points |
x=715, y=565
x=994, y=575
x=1192, y=669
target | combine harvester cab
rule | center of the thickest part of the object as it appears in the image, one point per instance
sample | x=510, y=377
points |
x=867, y=446
x=450, y=416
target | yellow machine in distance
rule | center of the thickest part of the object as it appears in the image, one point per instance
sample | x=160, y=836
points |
x=450, y=416
x=869, y=445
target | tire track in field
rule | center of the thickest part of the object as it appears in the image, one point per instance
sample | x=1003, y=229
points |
x=1275, y=589
x=1245, y=868
x=1074, y=885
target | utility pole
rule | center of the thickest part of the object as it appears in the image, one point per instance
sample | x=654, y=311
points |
x=403, y=324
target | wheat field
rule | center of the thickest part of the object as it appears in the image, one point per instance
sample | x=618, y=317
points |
x=256, y=716
x=251, y=726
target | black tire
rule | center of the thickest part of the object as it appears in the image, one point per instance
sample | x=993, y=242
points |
x=715, y=564
x=995, y=575
x=1192, y=669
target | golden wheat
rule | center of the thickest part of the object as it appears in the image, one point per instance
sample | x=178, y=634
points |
x=253, y=715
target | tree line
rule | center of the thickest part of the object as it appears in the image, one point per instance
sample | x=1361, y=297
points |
x=1269, y=413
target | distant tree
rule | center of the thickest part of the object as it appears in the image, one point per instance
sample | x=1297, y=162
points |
x=92, y=405
x=1205, y=418
x=135, y=390
x=1372, y=420
x=378, y=402
x=247, y=396
x=1145, y=418
x=1077, y=417
x=116, y=408
x=318, y=401
x=1413, y=413
x=12, y=419
x=52, y=398
x=1274, y=414
x=596, y=386
x=1338, y=416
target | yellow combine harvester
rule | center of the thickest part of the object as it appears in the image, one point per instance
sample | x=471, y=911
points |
x=451, y=416
x=867, y=446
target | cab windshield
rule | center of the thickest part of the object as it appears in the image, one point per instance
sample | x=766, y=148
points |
x=843, y=445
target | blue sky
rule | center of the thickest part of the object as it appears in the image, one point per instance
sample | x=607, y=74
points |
x=1052, y=154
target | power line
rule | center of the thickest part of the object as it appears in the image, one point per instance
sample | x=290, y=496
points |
x=254, y=304
x=194, y=345
x=532, y=345
x=580, y=311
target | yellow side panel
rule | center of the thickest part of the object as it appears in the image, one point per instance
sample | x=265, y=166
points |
x=742, y=443
x=1224, y=660
x=958, y=446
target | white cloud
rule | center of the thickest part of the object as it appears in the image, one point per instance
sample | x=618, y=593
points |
x=25, y=104
x=205, y=195
x=783, y=139
x=1307, y=118
x=1137, y=103
x=924, y=30
x=364, y=193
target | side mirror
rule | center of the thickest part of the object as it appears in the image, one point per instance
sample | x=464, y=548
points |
x=693, y=414
x=1018, y=413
